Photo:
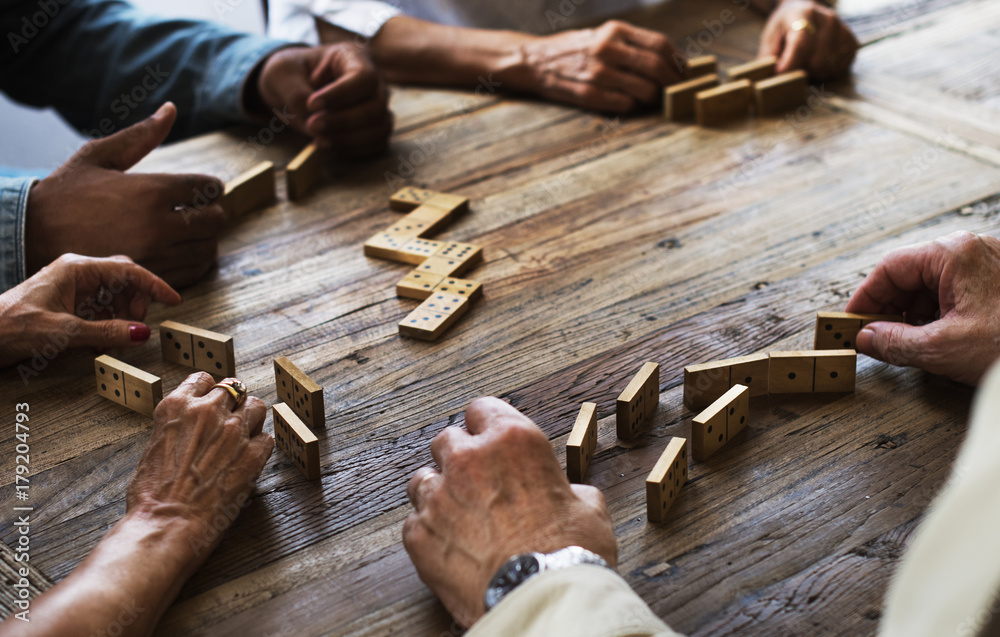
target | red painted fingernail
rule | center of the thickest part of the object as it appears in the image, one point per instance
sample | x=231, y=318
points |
x=138, y=333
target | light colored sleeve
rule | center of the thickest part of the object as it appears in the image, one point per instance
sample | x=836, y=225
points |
x=295, y=20
x=583, y=601
x=949, y=580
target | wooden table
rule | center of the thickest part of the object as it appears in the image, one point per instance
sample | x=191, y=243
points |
x=608, y=242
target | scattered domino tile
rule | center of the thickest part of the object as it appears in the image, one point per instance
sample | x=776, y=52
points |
x=701, y=65
x=581, y=443
x=781, y=93
x=300, y=392
x=754, y=71
x=251, y=190
x=302, y=173
x=126, y=385
x=797, y=372
x=664, y=482
x=408, y=198
x=678, y=99
x=705, y=382
x=720, y=422
x=638, y=401
x=723, y=103
x=296, y=441
x=839, y=330
x=445, y=298
x=194, y=347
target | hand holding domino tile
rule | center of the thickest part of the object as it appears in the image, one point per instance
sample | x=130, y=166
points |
x=948, y=288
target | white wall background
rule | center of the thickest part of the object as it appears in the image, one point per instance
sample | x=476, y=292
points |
x=39, y=139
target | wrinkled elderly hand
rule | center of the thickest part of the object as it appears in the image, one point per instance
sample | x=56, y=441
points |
x=825, y=47
x=950, y=290
x=499, y=492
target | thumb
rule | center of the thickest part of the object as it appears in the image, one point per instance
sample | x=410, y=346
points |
x=107, y=334
x=125, y=148
x=896, y=343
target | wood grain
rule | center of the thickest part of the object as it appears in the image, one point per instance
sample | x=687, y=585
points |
x=607, y=242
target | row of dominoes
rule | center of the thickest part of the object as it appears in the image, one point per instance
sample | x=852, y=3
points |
x=723, y=389
x=255, y=188
x=302, y=407
x=189, y=346
x=702, y=96
x=635, y=405
x=444, y=298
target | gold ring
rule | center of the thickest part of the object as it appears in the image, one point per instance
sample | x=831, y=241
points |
x=804, y=25
x=236, y=389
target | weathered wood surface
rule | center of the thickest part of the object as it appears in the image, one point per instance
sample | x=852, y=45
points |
x=608, y=242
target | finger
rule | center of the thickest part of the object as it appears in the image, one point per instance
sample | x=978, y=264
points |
x=105, y=334
x=200, y=223
x=899, y=343
x=489, y=413
x=181, y=277
x=846, y=49
x=646, y=39
x=125, y=148
x=445, y=443
x=169, y=190
x=366, y=143
x=824, y=47
x=897, y=276
x=369, y=114
x=255, y=412
x=423, y=483
x=590, y=495
x=223, y=399
x=257, y=454
x=196, y=385
x=796, y=51
x=355, y=84
x=642, y=62
x=140, y=280
x=623, y=81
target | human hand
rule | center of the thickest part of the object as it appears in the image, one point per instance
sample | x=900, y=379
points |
x=958, y=277
x=615, y=67
x=500, y=492
x=79, y=302
x=90, y=206
x=333, y=93
x=202, y=461
x=825, y=48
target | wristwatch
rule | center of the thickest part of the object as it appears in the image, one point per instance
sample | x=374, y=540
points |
x=523, y=567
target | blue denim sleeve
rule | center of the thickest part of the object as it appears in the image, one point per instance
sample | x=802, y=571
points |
x=103, y=65
x=13, y=203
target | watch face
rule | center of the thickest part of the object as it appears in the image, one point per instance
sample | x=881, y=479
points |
x=510, y=575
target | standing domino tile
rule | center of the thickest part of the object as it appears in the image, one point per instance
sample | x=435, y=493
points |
x=664, y=482
x=701, y=65
x=721, y=104
x=720, y=422
x=754, y=71
x=194, y=347
x=678, y=99
x=638, y=401
x=839, y=330
x=128, y=386
x=781, y=93
x=251, y=190
x=581, y=443
x=294, y=438
x=302, y=173
x=300, y=392
x=705, y=382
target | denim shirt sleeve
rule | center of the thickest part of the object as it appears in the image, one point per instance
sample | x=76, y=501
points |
x=105, y=65
x=13, y=203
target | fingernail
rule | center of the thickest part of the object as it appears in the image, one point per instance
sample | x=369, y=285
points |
x=160, y=112
x=138, y=333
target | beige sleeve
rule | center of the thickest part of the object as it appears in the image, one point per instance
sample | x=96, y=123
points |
x=583, y=601
x=949, y=580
